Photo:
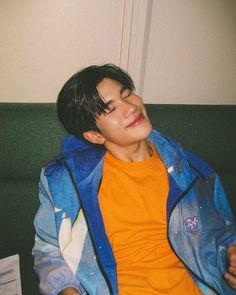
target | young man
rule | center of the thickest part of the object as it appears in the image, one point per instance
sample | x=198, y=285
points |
x=125, y=210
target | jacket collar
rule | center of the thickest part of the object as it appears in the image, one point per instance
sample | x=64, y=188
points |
x=85, y=157
x=174, y=159
x=82, y=156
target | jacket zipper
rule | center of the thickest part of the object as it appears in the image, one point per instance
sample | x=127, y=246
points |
x=96, y=253
x=197, y=170
x=180, y=198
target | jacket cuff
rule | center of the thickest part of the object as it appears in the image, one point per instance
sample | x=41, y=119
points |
x=57, y=280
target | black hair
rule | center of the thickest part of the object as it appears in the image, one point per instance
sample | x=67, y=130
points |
x=79, y=102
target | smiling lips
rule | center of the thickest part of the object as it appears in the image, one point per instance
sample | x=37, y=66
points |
x=137, y=120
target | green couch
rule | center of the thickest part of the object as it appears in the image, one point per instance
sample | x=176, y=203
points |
x=30, y=136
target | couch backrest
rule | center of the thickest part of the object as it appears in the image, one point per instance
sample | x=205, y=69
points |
x=208, y=131
x=30, y=134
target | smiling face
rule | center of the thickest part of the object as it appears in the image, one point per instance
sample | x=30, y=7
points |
x=126, y=122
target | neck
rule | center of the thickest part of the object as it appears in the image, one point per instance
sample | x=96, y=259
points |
x=137, y=152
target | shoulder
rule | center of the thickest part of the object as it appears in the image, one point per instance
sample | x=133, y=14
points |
x=77, y=157
x=71, y=147
x=174, y=151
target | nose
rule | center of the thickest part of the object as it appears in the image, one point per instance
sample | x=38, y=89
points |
x=129, y=108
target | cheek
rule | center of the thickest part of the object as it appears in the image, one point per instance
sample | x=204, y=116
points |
x=136, y=100
x=109, y=124
x=145, y=113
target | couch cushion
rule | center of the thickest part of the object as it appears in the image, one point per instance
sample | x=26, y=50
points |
x=18, y=203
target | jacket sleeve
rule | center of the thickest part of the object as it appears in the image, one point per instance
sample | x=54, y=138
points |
x=223, y=208
x=227, y=236
x=220, y=199
x=54, y=274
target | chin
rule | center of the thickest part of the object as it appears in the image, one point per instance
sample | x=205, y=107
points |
x=145, y=132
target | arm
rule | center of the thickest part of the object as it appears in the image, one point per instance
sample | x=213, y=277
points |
x=54, y=274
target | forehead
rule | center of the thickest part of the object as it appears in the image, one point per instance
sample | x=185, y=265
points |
x=107, y=87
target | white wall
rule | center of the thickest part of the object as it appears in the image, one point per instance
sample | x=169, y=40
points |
x=177, y=51
x=191, y=54
x=44, y=42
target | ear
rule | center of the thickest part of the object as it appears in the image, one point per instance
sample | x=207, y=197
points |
x=94, y=137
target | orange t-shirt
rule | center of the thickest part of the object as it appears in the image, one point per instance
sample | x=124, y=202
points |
x=132, y=199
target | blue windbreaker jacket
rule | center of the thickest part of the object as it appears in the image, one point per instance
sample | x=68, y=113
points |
x=71, y=247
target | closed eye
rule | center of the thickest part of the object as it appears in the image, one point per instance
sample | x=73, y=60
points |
x=126, y=93
x=110, y=107
x=110, y=110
